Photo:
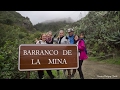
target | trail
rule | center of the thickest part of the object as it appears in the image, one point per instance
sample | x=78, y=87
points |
x=99, y=70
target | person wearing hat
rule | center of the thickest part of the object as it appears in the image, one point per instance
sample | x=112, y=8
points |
x=71, y=40
x=71, y=35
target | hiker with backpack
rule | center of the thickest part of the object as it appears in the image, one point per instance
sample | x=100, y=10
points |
x=71, y=40
x=41, y=72
x=50, y=40
x=83, y=54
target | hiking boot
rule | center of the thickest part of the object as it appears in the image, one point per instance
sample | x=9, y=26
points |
x=69, y=77
x=52, y=77
x=72, y=75
x=42, y=78
x=64, y=73
x=81, y=77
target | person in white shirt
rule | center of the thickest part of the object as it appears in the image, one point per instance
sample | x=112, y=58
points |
x=41, y=72
x=62, y=39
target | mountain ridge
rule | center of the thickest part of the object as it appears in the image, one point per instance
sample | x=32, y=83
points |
x=67, y=20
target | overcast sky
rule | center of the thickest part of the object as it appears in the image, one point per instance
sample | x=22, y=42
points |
x=40, y=16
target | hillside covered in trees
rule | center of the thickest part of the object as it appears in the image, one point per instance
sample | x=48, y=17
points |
x=14, y=30
x=16, y=19
x=102, y=32
x=101, y=28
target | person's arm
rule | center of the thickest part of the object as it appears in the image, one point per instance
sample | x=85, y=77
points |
x=38, y=42
x=67, y=40
x=81, y=45
x=54, y=40
x=55, y=35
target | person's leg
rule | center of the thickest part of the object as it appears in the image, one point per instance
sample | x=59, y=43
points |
x=64, y=70
x=73, y=73
x=80, y=69
x=69, y=73
x=50, y=74
x=58, y=73
x=40, y=74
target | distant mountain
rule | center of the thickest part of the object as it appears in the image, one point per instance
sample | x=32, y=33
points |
x=53, y=25
x=67, y=20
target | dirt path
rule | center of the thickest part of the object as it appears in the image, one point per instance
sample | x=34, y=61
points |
x=98, y=70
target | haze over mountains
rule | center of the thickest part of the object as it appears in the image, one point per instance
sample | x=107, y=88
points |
x=41, y=16
x=67, y=20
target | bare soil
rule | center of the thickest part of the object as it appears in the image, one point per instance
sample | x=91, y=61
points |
x=98, y=70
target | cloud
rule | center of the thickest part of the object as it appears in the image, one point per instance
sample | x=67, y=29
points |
x=40, y=16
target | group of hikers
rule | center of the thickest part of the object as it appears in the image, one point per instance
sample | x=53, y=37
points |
x=48, y=38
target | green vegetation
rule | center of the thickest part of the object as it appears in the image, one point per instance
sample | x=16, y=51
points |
x=11, y=38
x=14, y=18
x=102, y=32
x=34, y=75
x=46, y=76
x=110, y=60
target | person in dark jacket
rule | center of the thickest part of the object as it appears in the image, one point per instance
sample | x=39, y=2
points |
x=83, y=54
x=76, y=39
x=71, y=40
x=50, y=38
x=41, y=72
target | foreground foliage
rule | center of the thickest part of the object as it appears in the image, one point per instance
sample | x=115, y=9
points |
x=11, y=38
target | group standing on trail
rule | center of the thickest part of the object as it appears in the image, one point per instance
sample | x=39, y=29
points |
x=48, y=38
